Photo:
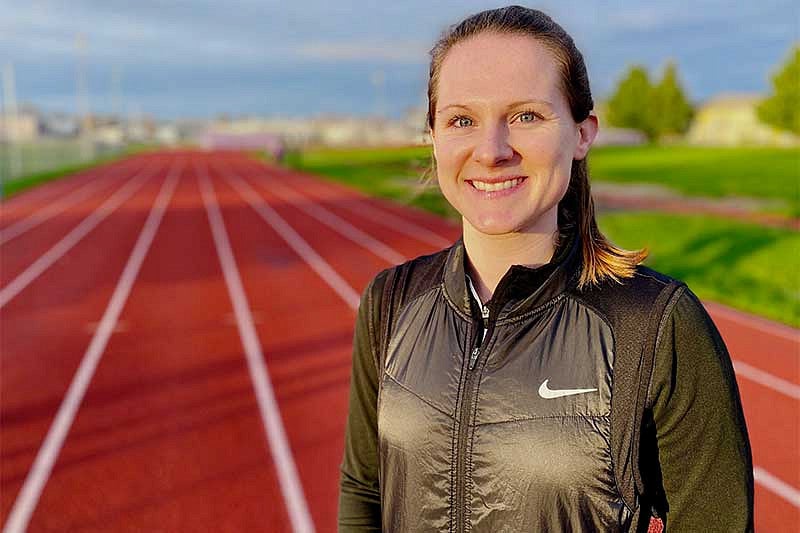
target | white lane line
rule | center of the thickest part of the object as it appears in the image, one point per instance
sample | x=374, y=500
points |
x=39, y=473
x=777, y=486
x=288, y=478
x=384, y=218
x=338, y=224
x=766, y=379
x=73, y=237
x=47, y=191
x=390, y=220
x=295, y=241
x=755, y=322
x=51, y=210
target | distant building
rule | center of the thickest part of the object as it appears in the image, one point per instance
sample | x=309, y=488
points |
x=609, y=135
x=140, y=128
x=215, y=140
x=731, y=119
x=23, y=127
x=328, y=130
x=59, y=125
x=168, y=134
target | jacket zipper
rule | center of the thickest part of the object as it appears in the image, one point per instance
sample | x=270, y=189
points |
x=478, y=343
x=463, y=436
x=476, y=351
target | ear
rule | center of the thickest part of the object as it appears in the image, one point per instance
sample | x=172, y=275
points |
x=433, y=142
x=587, y=131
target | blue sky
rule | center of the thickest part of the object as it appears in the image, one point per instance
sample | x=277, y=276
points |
x=200, y=58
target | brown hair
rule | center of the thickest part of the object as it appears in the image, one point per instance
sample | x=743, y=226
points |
x=601, y=259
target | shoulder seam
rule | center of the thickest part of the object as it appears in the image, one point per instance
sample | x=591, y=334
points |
x=673, y=300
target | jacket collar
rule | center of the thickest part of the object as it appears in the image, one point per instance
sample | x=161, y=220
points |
x=521, y=289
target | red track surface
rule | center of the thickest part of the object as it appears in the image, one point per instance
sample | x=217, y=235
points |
x=169, y=435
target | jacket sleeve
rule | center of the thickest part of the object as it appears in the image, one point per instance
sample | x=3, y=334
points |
x=359, y=491
x=703, y=447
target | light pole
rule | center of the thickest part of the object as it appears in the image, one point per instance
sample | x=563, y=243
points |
x=83, y=98
x=378, y=79
x=10, y=123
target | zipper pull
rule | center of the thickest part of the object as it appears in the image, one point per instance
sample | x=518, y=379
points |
x=473, y=357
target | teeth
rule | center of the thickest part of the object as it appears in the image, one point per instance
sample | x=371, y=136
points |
x=489, y=187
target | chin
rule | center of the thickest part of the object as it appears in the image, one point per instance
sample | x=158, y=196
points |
x=493, y=226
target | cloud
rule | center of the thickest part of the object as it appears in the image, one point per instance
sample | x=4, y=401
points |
x=399, y=52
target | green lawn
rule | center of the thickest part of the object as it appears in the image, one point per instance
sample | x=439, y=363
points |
x=749, y=267
x=746, y=266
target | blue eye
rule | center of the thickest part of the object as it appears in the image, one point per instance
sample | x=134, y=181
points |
x=527, y=116
x=461, y=122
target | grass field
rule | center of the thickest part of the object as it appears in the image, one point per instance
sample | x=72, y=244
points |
x=746, y=266
x=749, y=267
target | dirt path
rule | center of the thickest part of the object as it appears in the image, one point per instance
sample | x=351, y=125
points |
x=655, y=198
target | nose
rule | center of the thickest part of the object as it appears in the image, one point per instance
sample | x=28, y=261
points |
x=493, y=147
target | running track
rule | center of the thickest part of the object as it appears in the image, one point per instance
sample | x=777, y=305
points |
x=176, y=333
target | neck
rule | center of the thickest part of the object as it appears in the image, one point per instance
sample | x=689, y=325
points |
x=490, y=256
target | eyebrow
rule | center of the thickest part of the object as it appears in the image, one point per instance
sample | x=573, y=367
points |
x=511, y=105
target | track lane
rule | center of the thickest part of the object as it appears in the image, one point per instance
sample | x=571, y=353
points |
x=53, y=321
x=25, y=273
x=779, y=355
x=404, y=238
x=64, y=202
x=168, y=436
x=306, y=333
x=34, y=199
x=37, y=477
x=436, y=224
x=352, y=262
x=270, y=414
x=18, y=254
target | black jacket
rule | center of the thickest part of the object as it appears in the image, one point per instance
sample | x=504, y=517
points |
x=451, y=430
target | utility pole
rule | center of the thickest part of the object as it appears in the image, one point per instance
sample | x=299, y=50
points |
x=378, y=79
x=10, y=124
x=116, y=91
x=83, y=98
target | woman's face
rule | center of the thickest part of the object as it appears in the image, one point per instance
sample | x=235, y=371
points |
x=504, y=138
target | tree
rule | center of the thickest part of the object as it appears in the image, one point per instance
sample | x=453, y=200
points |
x=657, y=110
x=782, y=108
x=671, y=112
x=629, y=106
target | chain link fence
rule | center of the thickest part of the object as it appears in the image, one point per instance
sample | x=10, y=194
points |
x=20, y=161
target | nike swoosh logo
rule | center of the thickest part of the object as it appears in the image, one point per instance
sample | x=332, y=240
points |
x=548, y=394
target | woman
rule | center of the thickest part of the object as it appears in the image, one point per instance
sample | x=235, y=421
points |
x=481, y=393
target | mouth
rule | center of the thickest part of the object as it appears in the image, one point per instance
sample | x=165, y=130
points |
x=503, y=184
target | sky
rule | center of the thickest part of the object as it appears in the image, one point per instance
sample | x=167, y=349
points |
x=304, y=58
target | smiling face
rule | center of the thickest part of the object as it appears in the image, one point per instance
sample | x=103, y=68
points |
x=504, y=137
